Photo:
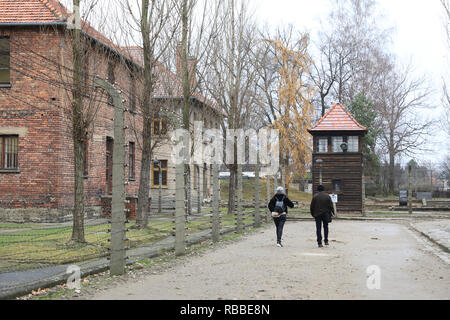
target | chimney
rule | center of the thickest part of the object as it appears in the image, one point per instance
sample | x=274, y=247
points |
x=192, y=67
x=192, y=64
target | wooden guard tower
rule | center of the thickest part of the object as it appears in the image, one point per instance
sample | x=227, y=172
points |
x=337, y=157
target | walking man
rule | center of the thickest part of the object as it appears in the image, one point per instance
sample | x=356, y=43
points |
x=278, y=205
x=321, y=209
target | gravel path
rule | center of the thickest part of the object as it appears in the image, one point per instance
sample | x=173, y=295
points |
x=254, y=268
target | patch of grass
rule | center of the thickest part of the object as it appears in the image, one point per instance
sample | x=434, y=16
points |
x=388, y=212
x=248, y=190
x=9, y=226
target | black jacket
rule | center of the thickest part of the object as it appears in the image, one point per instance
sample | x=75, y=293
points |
x=279, y=197
x=321, y=204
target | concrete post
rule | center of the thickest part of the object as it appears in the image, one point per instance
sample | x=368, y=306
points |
x=268, y=213
x=117, y=262
x=239, y=211
x=180, y=211
x=409, y=190
x=215, y=205
x=160, y=188
x=257, y=204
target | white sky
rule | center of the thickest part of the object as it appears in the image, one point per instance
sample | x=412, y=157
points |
x=419, y=37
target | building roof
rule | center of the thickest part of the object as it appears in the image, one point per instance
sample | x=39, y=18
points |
x=31, y=11
x=337, y=119
x=40, y=12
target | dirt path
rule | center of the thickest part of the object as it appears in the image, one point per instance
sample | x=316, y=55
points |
x=254, y=268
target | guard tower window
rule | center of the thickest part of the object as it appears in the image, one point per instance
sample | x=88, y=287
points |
x=337, y=186
x=322, y=144
x=336, y=144
x=353, y=144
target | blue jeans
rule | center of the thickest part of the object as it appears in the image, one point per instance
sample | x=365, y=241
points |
x=279, y=223
x=319, y=221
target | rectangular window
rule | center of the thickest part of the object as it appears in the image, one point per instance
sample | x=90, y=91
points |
x=5, y=52
x=353, y=144
x=337, y=186
x=132, y=157
x=132, y=93
x=156, y=170
x=159, y=127
x=9, y=158
x=336, y=144
x=322, y=145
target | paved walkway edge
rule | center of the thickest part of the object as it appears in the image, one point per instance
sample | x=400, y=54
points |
x=431, y=238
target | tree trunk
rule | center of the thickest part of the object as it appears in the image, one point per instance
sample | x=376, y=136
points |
x=232, y=190
x=78, y=134
x=78, y=210
x=186, y=98
x=391, y=172
x=144, y=180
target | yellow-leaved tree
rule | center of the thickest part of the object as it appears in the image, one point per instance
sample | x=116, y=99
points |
x=294, y=110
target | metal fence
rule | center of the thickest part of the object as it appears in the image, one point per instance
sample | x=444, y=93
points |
x=34, y=246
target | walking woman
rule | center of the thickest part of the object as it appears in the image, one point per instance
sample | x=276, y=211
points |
x=278, y=205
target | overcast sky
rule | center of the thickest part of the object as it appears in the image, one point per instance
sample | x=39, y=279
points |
x=418, y=37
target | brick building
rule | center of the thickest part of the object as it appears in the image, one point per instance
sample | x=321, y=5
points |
x=36, y=149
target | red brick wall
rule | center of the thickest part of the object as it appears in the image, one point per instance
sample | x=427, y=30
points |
x=39, y=102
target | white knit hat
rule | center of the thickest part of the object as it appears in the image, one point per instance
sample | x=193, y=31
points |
x=280, y=190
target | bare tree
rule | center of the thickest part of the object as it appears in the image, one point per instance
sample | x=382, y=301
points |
x=154, y=24
x=324, y=73
x=231, y=80
x=446, y=92
x=403, y=126
x=351, y=52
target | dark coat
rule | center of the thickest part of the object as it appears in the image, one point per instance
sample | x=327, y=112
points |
x=321, y=204
x=279, y=197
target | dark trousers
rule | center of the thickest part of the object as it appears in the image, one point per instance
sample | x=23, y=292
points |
x=319, y=221
x=279, y=223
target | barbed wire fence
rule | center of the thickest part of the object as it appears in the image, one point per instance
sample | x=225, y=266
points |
x=34, y=246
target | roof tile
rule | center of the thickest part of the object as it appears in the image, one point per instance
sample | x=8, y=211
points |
x=337, y=119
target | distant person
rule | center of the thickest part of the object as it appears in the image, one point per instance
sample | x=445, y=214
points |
x=278, y=205
x=322, y=209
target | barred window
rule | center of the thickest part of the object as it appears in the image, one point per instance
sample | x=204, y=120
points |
x=9, y=159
